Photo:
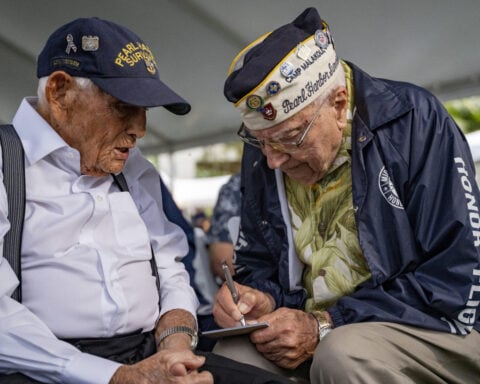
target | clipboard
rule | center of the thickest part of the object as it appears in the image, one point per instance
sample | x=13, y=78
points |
x=234, y=331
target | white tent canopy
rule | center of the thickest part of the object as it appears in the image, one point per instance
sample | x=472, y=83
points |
x=191, y=193
x=433, y=43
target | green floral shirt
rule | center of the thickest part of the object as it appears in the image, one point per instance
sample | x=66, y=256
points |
x=324, y=229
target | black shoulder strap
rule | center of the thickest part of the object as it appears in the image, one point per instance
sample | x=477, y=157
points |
x=14, y=181
x=119, y=179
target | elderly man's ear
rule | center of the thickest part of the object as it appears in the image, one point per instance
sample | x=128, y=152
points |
x=341, y=105
x=58, y=85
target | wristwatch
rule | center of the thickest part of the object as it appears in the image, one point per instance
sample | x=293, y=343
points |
x=180, y=329
x=324, y=326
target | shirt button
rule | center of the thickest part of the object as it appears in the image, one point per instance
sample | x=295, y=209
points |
x=99, y=198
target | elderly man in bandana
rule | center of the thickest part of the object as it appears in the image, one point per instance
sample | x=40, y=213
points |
x=359, y=233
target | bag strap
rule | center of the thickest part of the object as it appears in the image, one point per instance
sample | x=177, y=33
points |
x=121, y=183
x=14, y=181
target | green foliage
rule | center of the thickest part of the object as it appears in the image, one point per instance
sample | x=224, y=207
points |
x=466, y=113
x=220, y=159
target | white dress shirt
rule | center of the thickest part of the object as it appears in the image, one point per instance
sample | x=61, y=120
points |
x=85, y=259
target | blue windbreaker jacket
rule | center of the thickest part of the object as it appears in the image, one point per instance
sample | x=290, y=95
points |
x=416, y=204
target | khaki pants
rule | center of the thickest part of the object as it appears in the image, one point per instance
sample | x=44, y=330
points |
x=384, y=353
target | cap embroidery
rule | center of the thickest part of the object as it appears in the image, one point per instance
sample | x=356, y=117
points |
x=311, y=87
x=132, y=53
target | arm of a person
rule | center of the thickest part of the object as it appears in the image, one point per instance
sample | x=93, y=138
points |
x=174, y=356
x=440, y=287
x=174, y=318
x=261, y=247
x=174, y=214
x=29, y=347
x=220, y=252
x=26, y=343
x=220, y=243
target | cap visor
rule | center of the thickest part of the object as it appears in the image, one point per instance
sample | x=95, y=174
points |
x=143, y=92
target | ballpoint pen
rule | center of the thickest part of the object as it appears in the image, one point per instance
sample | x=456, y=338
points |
x=231, y=286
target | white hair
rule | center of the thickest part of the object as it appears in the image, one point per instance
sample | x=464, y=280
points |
x=82, y=82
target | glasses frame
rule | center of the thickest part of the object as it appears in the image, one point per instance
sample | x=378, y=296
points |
x=277, y=145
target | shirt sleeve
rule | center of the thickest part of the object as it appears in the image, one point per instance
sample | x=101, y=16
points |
x=28, y=346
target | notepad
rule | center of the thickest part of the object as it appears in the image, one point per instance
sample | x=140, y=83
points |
x=234, y=331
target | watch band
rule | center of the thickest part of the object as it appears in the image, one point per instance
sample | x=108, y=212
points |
x=180, y=329
x=324, y=326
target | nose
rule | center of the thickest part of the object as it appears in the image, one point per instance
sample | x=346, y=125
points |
x=137, y=124
x=275, y=158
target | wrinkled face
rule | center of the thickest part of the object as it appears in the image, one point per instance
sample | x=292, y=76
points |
x=102, y=128
x=316, y=154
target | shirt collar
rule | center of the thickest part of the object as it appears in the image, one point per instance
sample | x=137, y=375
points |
x=39, y=139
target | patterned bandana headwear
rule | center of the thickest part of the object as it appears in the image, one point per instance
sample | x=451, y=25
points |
x=282, y=72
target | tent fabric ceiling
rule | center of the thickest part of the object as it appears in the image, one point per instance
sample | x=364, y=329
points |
x=433, y=43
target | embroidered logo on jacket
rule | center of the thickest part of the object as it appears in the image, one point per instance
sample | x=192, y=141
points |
x=388, y=189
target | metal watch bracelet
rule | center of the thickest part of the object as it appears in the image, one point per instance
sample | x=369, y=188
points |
x=179, y=329
x=324, y=326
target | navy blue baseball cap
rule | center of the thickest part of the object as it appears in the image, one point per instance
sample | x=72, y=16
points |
x=117, y=60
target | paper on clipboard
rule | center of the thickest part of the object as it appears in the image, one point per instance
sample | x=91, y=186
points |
x=234, y=331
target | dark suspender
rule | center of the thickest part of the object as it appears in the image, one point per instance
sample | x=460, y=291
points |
x=14, y=180
x=123, y=186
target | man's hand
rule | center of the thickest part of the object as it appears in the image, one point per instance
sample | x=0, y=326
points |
x=218, y=253
x=290, y=339
x=252, y=303
x=164, y=367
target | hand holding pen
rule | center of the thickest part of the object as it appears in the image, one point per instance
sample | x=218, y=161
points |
x=231, y=287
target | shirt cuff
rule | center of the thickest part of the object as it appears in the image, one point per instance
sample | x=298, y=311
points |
x=89, y=369
x=336, y=316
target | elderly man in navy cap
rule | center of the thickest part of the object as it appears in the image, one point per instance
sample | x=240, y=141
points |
x=359, y=236
x=101, y=295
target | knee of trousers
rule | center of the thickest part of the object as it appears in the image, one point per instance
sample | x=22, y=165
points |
x=337, y=355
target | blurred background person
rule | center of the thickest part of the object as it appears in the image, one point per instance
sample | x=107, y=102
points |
x=223, y=230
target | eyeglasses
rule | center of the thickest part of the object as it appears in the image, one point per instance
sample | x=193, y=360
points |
x=280, y=145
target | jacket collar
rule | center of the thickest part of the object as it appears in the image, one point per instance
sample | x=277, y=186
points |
x=384, y=103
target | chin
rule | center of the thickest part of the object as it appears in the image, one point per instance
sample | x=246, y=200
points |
x=94, y=174
x=304, y=179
